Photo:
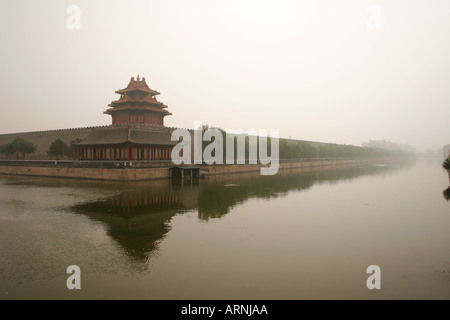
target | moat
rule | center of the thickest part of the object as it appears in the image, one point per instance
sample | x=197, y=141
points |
x=308, y=235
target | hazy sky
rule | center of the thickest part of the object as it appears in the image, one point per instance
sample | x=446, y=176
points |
x=317, y=70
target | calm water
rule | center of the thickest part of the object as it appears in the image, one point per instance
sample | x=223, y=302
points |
x=294, y=236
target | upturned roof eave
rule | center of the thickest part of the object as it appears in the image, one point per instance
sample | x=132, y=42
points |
x=152, y=92
x=119, y=109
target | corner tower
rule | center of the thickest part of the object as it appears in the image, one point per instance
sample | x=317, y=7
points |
x=137, y=105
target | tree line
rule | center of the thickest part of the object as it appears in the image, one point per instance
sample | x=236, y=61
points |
x=288, y=149
x=295, y=149
x=20, y=147
x=301, y=149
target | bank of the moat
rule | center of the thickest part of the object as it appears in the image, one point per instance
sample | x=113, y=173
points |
x=150, y=170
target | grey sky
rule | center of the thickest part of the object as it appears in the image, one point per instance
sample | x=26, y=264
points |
x=313, y=69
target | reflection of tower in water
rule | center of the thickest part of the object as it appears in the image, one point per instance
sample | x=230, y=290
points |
x=130, y=204
x=139, y=219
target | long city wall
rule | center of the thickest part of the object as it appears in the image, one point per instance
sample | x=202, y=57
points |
x=43, y=139
x=136, y=173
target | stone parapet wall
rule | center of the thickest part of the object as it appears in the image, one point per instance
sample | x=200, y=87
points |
x=146, y=170
x=89, y=173
x=284, y=165
x=88, y=164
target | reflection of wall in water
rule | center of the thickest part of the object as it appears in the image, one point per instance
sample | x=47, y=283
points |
x=221, y=193
x=139, y=219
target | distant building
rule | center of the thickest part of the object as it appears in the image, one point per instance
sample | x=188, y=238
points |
x=137, y=131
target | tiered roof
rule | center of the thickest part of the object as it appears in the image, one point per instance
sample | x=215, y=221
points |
x=137, y=96
x=118, y=135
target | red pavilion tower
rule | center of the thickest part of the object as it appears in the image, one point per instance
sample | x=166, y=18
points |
x=137, y=131
x=137, y=104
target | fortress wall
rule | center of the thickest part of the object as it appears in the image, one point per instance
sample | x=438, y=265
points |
x=43, y=140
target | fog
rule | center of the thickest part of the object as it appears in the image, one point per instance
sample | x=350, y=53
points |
x=331, y=71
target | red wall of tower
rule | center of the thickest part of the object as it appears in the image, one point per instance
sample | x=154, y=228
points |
x=126, y=118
